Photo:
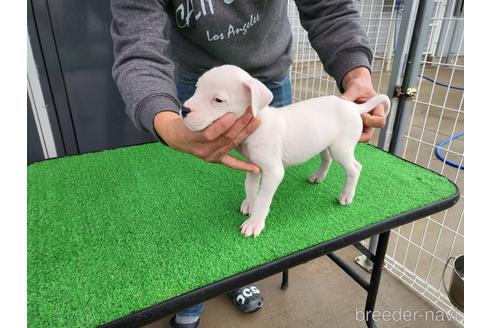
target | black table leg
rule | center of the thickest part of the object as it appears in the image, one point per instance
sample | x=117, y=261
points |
x=372, y=291
x=285, y=280
x=372, y=287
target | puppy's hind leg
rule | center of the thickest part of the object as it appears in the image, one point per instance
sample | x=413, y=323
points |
x=251, y=186
x=344, y=154
x=320, y=174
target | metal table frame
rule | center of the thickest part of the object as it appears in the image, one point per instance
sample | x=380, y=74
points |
x=381, y=228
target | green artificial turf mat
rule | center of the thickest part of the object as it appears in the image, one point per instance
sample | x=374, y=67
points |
x=114, y=232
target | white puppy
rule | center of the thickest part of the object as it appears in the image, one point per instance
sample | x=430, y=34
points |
x=329, y=126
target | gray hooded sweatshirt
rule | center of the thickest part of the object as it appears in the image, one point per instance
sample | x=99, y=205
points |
x=152, y=37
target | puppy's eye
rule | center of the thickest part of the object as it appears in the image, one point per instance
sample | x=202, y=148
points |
x=218, y=100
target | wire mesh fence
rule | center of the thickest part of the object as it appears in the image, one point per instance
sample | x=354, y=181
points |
x=380, y=20
x=417, y=253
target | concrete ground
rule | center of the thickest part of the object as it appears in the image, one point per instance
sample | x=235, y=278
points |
x=321, y=295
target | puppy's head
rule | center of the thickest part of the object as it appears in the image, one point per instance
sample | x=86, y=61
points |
x=221, y=90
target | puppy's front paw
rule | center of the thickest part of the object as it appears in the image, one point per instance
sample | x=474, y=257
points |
x=317, y=177
x=246, y=207
x=346, y=197
x=252, y=227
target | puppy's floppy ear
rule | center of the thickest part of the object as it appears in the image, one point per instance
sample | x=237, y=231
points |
x=261, y=96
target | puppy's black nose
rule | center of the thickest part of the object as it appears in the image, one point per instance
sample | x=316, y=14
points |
x=185, y=111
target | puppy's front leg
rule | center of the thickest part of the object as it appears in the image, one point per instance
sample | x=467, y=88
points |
x=251, y=186
x=270, y=180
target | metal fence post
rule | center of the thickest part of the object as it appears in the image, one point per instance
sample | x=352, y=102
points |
x=411, y=71
x=404, y=36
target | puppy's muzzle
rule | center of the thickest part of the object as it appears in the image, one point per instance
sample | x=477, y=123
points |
x=185, y=111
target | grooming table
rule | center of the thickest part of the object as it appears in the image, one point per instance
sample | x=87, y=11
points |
x=127, y=236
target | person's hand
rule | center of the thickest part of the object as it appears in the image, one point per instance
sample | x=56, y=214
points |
x=358, y=88
x=212, y=143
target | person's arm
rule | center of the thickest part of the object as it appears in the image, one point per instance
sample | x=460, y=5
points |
x=335, y=32
x=143, y=72
x=142, y=68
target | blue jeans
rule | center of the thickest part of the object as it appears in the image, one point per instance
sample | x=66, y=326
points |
x=185, y=85
x=281, y=88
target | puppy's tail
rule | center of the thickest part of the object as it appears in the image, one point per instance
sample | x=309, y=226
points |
x=373, y=102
